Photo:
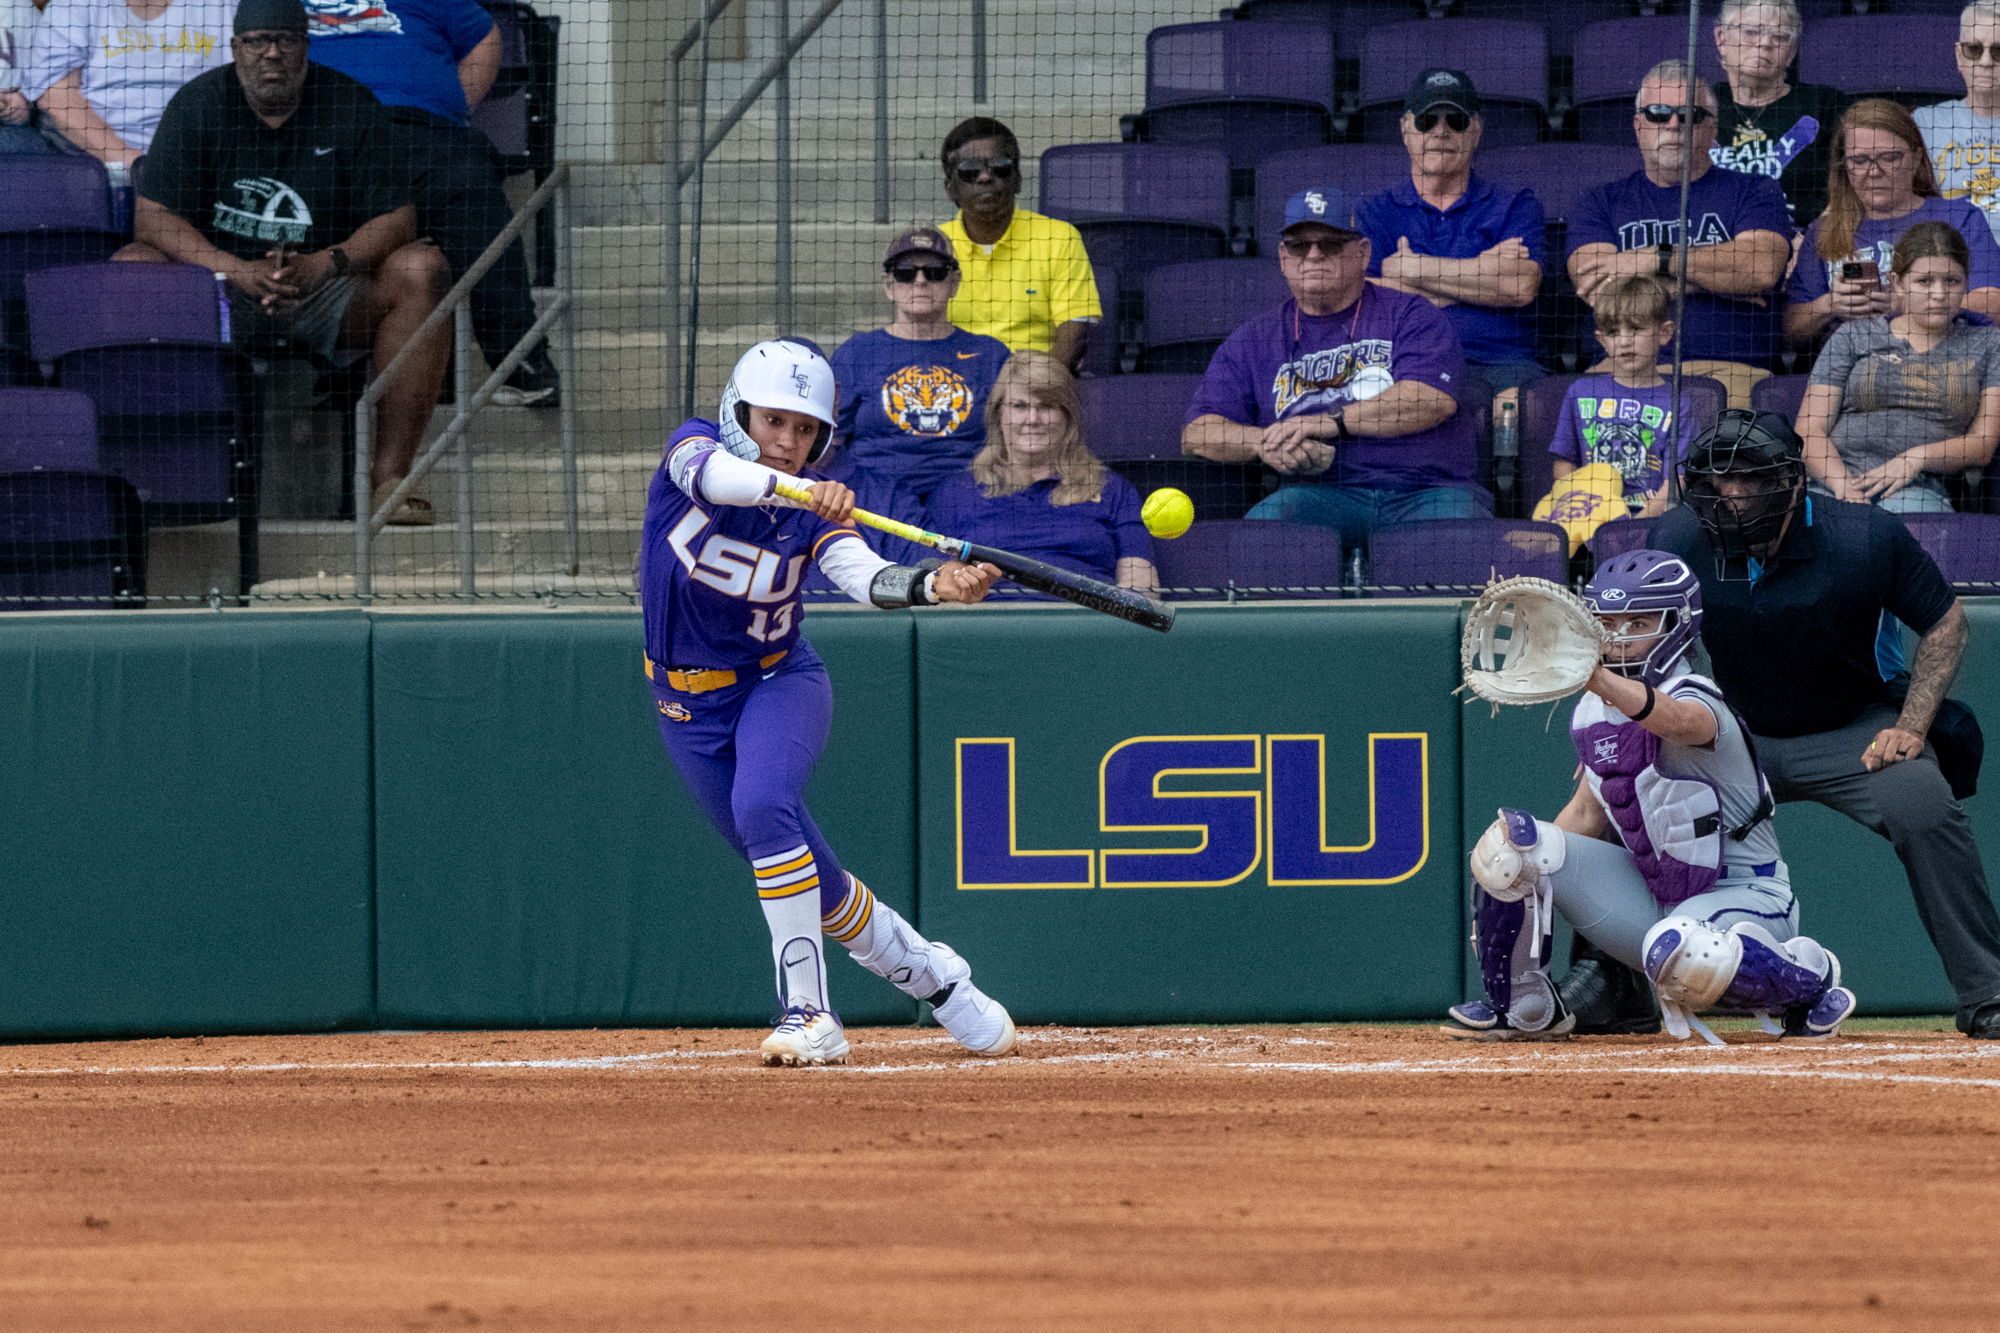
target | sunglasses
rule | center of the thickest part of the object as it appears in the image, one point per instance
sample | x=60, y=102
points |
x=935, y=272
x=1458, y=121
x=1659, y=115
x=1306, y=249
x=971, y=169
x=262, y=43
x=1973, y=50
x=1866, y=164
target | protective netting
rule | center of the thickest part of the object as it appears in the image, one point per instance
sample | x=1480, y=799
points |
x=1466, y=365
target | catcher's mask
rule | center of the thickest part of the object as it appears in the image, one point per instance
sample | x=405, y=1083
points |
x=1638, y=582
x=1760, y=449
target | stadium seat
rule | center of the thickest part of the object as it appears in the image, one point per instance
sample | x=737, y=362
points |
x=1191, y=308
x=1140, y=205
x=1250, y=559
x=1249, y=89
x=1541, y=407
x=1103, y=344
x=1907, y=57
x=1133, y=423
x=144, y=342
x=54, y=210
x=1780, y=393
x=70, y=534
x=1507, y=61
x=1359, y=169
x=1965, y=546
x=1560, y=174
x=1456, y=557
x=1619, y=536
x=1611, y=61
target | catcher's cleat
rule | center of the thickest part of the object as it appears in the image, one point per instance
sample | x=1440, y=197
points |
x=806, y=1036
x=1823, y=1017
x=1476, y=1020
x=1607, y=997
x=1985, y=1024
x=980, y=1022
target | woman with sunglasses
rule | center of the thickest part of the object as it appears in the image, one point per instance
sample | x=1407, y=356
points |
x=1964, y=136
x=1881, y=186
x=912, y=395
x=1761, y=117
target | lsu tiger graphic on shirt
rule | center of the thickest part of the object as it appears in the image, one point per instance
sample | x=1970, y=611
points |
x=926, y=400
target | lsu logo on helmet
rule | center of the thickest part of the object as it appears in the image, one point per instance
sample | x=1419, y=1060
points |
x=926, y=400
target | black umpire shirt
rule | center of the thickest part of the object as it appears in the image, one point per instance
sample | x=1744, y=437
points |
x=1795, y=649
x=310, y=183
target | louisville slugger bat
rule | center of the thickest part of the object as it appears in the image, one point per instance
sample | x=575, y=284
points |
x=1029, y=573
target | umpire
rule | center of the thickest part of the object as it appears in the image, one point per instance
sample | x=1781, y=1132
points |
x=1793, y=589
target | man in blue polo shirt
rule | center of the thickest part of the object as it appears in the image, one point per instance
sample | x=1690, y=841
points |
x=1469, y=247
x=431, y=62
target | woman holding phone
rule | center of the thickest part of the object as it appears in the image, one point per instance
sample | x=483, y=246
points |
x=1881, y=185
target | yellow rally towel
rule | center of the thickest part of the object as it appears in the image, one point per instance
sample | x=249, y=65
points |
x=1584, y=501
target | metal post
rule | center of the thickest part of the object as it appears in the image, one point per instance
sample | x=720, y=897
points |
x=1683, y=245
x=787, y=308
x=882, y=202
x=461, y=348
x=566, y=362
x=694, y=245
x=979, y=98
x=671, y=214
x=364, y=500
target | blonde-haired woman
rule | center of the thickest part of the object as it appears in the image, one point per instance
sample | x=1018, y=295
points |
x=1035, y=489
x=1881, y=185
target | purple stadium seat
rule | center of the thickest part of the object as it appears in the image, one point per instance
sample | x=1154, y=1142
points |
x=1507, y=61
x=1131, y=417
x=1248, y=89
x=1965, y=546
x=1619, y=536
x=1560, y=174
x=503, y=116
x=1359, y=169
x=1611, y=61
x=1251, y=559
x=1780, y=393
x=1541, y=407
x=1191, y=308
x=1102, y=343
x=1906, y=56
x=55, y=209
x=1456, y=557
x=70, y=535
x=1140, y=205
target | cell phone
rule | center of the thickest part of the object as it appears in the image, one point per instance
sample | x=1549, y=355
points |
x=1862, y=271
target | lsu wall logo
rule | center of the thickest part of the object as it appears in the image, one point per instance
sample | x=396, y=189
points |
x=343, y=18
x=926, y=400
x=1274, y=810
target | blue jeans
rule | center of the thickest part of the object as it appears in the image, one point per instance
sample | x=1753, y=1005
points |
x=1358, y=510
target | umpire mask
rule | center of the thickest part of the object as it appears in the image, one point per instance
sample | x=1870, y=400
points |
x=1761, y=451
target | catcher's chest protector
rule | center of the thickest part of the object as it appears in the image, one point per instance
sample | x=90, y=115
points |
x=1671, y=825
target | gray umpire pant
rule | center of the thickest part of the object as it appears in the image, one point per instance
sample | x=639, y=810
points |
x=1911, y=805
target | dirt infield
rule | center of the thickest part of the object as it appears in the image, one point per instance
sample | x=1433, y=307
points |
x=1367, y=1177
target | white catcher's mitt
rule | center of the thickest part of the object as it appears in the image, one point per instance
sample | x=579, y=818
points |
x=1528, y=641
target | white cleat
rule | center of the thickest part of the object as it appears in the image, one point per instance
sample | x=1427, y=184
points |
x=980, y=1023
x=808, y=1036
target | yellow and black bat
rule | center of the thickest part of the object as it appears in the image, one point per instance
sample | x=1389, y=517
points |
x=1029, y=573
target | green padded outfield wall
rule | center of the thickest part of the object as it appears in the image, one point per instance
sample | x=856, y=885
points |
x=539, y=862
x=1254, y=817
x=186, y=839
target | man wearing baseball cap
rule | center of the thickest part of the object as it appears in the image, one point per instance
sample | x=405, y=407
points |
x=1466, y=245
x=913, y=395
x=1348, y=389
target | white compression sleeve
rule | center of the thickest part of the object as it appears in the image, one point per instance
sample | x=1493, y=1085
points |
x=722, y=477
x=853, y=566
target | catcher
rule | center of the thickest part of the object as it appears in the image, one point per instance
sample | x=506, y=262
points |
x=1666, y=857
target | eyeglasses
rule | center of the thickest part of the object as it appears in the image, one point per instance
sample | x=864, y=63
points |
x=1458, y=121
x=1864, y=164
x=1027, y=408
x=1973, y=50
x=264, y=43
x=1660, y=114
x=1758, y=35
x=970, y=169
x=935, y=272
x=1330, y=246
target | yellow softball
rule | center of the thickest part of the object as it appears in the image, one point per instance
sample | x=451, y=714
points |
x=1167, y=512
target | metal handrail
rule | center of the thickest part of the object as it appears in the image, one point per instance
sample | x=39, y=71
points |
x=454, y=305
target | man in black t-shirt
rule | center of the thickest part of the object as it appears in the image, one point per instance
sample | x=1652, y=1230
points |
x=282, y=177
x=1762, y=117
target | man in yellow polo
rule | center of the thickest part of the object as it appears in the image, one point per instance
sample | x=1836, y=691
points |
x=1024, y=278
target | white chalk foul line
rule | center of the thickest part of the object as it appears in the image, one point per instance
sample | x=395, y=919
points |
x=1471, y=1067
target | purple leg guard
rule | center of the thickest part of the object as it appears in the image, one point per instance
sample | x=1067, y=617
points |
x=1517, y=982
x=1770, y=981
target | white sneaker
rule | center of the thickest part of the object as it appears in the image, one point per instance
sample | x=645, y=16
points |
x=981, y=1024
x=808, y=1036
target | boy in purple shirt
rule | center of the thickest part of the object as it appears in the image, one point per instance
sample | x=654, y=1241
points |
x=1348, y=389
x=1626, y=418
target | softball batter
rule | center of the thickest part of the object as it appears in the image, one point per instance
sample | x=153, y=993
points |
x=745, y=704
x=1665, y=858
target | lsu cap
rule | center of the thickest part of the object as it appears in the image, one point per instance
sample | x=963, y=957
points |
x=1324, y=204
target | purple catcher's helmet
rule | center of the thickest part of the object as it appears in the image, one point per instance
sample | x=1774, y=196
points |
x=1641, y=581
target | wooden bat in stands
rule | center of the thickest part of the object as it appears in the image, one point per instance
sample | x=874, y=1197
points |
x=1039, y=575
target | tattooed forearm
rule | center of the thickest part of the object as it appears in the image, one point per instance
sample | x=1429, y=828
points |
x=1938, y=653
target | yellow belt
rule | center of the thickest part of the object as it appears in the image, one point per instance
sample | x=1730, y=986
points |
x=701, y=682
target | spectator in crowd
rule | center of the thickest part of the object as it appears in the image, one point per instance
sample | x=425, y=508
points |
x=1348, y=389
x=912, y=396
x=1964, y=136
x=431, y=62
x=1882, y=185
x=1896, y=404
x=1626, y=418
x=1026, y=278
x=1035, y=489
x=1735, y=259
x=1469, y=247
x=18, y=21
x=103, y=70
x=283, y=176
x=1761, y=118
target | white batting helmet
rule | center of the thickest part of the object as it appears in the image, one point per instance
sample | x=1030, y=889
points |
x=780, y=374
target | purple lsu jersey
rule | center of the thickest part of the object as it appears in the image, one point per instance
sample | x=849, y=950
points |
x=721, y=584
